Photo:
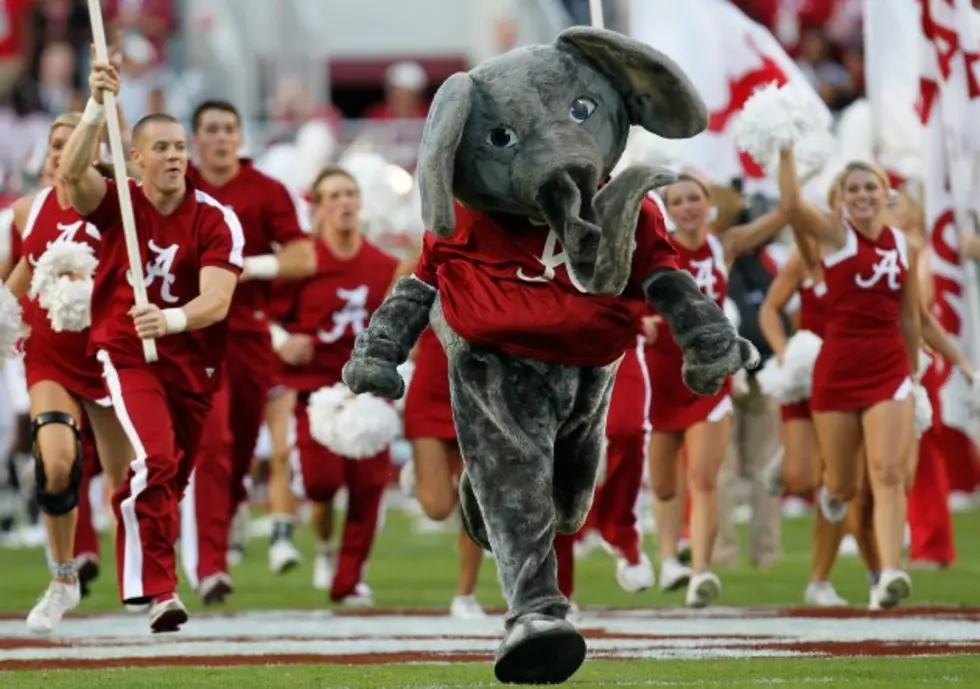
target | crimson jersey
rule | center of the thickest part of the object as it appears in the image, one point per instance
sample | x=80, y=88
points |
x=49, y=355
x=863, y=359
x=673, y=406
x=175, y=247
x=333, y=307
x=269, y=219
x=505, y=284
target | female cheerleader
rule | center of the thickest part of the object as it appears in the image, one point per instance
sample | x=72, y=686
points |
x=681, y=419
x=801, y=469
x=862, y=380
x=64, y=384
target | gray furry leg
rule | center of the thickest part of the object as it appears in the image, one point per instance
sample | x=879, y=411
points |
x=506, y=433
x=579, y=448
x=469, y=508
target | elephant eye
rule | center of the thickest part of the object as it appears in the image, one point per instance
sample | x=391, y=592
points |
x=582, y=108
x=502, y=137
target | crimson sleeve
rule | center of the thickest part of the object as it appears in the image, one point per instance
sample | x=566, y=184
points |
x=653, y=249
x=282, y=215
x=222, y=238
x=107, y=214
x=427, y=266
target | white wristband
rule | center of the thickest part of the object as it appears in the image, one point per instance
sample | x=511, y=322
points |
x=264, y=267
x=94, y=112
x=176, y=320
x=279, y=336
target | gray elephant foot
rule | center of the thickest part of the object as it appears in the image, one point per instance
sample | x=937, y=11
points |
x=375, y=376
x=469, y=508
x=539, y=649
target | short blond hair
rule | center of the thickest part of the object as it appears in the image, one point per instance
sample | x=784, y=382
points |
x=65, y=119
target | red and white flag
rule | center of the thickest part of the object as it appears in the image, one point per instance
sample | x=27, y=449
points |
x=947, y=104
x=727, y=56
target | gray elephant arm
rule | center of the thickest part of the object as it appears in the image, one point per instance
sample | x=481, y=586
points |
x=711, y=346
x=394, y=329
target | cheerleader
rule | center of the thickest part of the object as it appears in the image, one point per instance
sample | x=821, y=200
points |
x=862, y=380
x=436, y=461
x=325, y=314
x=701, y=425
x=799, y=468
x=64, y=385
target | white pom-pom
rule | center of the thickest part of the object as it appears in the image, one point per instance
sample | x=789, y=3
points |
x=774, y=118
x=323, y=409
x=799, y=358
x=732, y=312
x=923, y=410
x=772, y=381
x=68, y=303
x=812, y=154
x=365, y=426
x=406, y=370
x=925, y=361
x=62, y=283
x=11, y=322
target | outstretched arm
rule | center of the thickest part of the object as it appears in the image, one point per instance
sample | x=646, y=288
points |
x=806, y=219
x=744, y=238
x=393, y=331
x=780, y=292
x=86, y=187
x=711, y=346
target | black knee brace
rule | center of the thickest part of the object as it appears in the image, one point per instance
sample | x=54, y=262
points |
x=57, y=504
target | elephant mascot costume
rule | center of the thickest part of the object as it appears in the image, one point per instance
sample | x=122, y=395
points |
x=535, y=270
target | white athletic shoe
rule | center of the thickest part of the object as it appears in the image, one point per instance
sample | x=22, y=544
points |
x=635, y=578
x=215, y=588
x=702, y=590
x=324, y=566
x=893, y=586
x=589, y=542
x=834, y=509
x=283, y=556
x=57, y=600
x=363, y=597
x=466, y=608
x=167, y=614
x=823, y=595
x=673, y=575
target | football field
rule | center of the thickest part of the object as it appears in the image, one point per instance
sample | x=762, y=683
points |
x=276, y=631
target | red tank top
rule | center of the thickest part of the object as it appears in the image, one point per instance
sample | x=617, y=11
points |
x=812, y=316
x=49, y=223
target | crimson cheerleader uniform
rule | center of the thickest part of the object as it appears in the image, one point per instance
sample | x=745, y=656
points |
x=812, y=318
x=863, y=360
x=673, y=406
x=428, y=405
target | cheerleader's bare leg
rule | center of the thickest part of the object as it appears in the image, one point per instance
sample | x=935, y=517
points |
x=56, y=420
x=889, y=432
x=115, y=452
x=437, y=467
x=668, y=484
x=705, y=444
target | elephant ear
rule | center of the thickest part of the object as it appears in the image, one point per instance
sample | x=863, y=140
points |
x=658, y=95
x=437, y=153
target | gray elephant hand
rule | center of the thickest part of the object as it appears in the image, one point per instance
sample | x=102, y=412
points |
x=716, y=352
x=378, y=377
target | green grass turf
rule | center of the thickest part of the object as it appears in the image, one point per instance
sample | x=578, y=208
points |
x=418, y=571
x=853, y=673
